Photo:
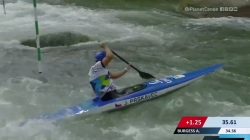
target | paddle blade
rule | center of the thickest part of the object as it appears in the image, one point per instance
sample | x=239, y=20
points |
x=145, y=75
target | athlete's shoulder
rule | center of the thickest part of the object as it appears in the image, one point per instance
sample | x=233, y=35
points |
x=98, y=66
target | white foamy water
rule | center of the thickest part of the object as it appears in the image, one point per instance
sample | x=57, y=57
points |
x=166, y=48
x=18, y=24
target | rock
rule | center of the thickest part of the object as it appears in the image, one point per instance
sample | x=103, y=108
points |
x=57, y=39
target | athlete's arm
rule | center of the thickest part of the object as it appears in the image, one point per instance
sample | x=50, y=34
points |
x=120, y=73
x=109, y=55
x=117, y=74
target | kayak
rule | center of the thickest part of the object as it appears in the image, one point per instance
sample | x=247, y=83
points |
x=133, y=94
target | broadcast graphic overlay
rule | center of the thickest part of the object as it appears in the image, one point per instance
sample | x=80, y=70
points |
x=227, y=128
x=211, y=9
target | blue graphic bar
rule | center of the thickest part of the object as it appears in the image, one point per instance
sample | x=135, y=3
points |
x=214, y=130
x=218, y=138
x=232, y=136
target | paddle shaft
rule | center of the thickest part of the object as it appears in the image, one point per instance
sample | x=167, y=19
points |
x=143, y=75
x=125, y=61
x=4, y=7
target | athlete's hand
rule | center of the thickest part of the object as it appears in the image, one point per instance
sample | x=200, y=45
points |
x=103, y=45
x=128, y=67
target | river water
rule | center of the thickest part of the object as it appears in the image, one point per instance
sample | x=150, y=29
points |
x=153, y=38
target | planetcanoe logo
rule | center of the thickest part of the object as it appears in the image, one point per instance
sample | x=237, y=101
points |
x=118, y=105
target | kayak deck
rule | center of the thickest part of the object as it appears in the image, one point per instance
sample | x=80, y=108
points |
x=71, y=111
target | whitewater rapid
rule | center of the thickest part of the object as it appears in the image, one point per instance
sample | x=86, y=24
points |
x=158, y=42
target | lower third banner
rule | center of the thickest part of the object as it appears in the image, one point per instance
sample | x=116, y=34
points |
x=197, y=130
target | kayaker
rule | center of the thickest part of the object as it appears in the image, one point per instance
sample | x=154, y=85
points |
x=100, y=78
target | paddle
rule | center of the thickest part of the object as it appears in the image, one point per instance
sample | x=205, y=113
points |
x=143, y=75
x=4, y=7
